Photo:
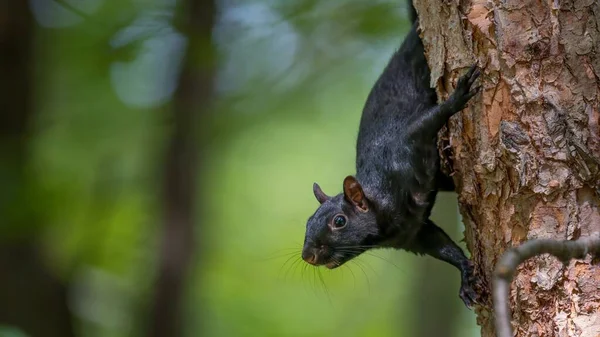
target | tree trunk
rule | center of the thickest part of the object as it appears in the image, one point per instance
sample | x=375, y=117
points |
x=181, y=167
x=526, y=152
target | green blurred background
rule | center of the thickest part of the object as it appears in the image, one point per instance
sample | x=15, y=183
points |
x=84, y=179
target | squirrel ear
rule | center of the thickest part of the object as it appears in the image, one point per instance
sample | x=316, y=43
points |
x=321, y=197
x=354, y=194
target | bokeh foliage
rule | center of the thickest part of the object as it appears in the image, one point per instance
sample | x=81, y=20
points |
x=291, y=81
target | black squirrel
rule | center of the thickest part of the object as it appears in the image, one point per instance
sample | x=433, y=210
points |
x=398, y=175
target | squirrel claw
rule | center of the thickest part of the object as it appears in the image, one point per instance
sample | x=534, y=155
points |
x=468, y=296
x=464, y=89
x=467, y=292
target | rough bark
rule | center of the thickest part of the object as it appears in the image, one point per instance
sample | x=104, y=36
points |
x=32, y=298
x=526, y=152
x=181, y=167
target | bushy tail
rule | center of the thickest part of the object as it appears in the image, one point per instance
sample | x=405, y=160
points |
x=412, y=12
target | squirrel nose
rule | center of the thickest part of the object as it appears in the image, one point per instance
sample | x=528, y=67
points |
x=310, y=256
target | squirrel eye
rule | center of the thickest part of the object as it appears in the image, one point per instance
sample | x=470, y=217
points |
x=339, y=221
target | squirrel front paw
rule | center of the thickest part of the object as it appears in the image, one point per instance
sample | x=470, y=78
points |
x=464, y=90
x=467, y=287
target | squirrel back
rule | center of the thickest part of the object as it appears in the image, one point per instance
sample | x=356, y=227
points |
x=396, y=168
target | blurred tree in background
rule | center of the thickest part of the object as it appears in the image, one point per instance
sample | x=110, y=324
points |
x=27, y=287
x=192, y=100
x=157, y=158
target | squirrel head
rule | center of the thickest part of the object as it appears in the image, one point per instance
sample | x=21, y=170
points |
x=342, y=227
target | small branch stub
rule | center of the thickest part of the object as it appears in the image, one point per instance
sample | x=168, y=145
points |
x=511, y=259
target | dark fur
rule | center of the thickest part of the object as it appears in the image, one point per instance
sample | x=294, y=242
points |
x=397, y=171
